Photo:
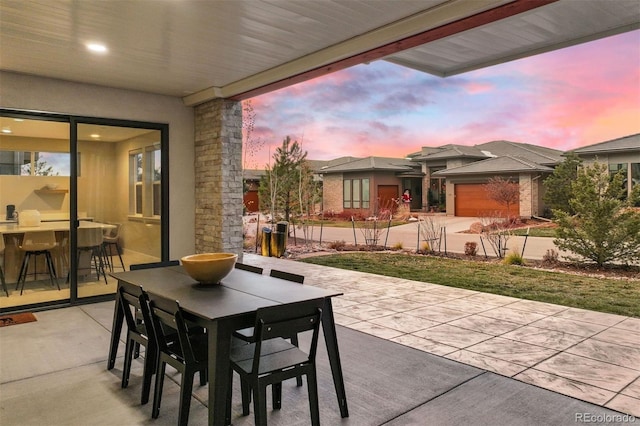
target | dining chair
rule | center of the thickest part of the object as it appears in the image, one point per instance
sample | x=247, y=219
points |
x=90, y=241
x=4, y=283
x=247, y=334
x=187, y=354
x=249, y=268
x=111, y=240
x=259, y=368
x=138, y=315
x=150, y=265
x=133, y=300
x=34, y=244
x=296, y=278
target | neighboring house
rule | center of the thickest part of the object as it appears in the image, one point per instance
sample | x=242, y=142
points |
x=460, y=173
x=619, y=154
x=364, y=185
x=451, y=177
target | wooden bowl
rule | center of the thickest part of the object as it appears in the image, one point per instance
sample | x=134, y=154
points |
x=209, y=268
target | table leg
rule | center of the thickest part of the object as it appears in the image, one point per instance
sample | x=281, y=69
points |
x=116, y=328
x=218, y=371
x=331, y=340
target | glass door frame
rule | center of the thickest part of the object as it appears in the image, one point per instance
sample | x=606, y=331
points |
x=74, y=121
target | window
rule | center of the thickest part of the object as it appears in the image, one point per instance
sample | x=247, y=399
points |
x=346, y=194
x=35, y=163
x=144, y=182
x=355, y=194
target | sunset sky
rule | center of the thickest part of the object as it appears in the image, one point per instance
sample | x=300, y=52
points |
x=563, y=99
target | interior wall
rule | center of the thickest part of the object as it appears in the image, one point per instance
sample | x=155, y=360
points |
x=32, y=93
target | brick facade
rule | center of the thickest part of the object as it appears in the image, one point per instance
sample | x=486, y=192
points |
x=332, y=192
x=218, y=176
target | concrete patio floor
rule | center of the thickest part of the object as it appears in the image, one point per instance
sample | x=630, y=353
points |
x=584, y=354
x=413, y=354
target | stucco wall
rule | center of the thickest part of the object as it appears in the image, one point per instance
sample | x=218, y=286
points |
x=24, y=92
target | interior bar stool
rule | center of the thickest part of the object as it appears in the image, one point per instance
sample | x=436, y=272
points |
x=90, y=240
x=34, y=244
x=111, y=239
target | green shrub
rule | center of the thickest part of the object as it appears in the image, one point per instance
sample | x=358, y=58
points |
x=514, y=258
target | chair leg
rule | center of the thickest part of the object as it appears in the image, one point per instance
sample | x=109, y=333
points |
x=150, y=356
x=119, y=255
x=294, y=341
x=25, y=262
x=185, y=397
x=276, y=395
x=157, y=393
x=245, y=390
x=312, y=389
x=260, y=404
x=24, y=274
x=128, y=356
x=52, y=272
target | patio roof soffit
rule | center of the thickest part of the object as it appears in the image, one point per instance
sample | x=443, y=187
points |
x=432, y=24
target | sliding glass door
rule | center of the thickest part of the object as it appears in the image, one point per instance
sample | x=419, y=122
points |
x=119, y=203
x=81, y=198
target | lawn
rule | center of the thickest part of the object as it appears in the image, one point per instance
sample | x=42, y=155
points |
x=536, y=232
x=616, y=296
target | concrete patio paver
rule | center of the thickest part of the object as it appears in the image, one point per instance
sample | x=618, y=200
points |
x=587, y=355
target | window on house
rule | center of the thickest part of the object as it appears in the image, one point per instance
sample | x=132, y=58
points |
x=355, y=194
x=346, y=194
x=635, y=174
x=35, y=163
x=616, y=167
x=145, y=182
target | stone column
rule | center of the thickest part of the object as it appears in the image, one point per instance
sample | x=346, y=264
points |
x=218, y=176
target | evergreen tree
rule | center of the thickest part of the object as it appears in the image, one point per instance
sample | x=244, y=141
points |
x=558, y=184
x=279, y=187
x=604, y=227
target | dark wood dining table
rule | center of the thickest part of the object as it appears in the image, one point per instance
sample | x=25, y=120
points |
x=226, y=307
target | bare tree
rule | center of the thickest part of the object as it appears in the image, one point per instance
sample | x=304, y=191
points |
x=503, y=191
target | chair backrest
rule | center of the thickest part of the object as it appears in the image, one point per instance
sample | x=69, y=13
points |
x=153, y=265
x=287, y=320
x=89, y=237
x=249, y=268
x=38, y=240
x=1, y=243
x=131, y=298
x=167, y=318
x=287, y=276
x=112, y=231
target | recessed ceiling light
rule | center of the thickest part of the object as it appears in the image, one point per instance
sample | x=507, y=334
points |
x=18, y=119
x=95, y=136
x=6, y=130
x=97, y=47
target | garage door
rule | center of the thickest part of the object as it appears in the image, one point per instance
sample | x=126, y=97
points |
x=472, y=201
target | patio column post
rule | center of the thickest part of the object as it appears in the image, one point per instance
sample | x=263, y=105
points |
x=218, y=176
